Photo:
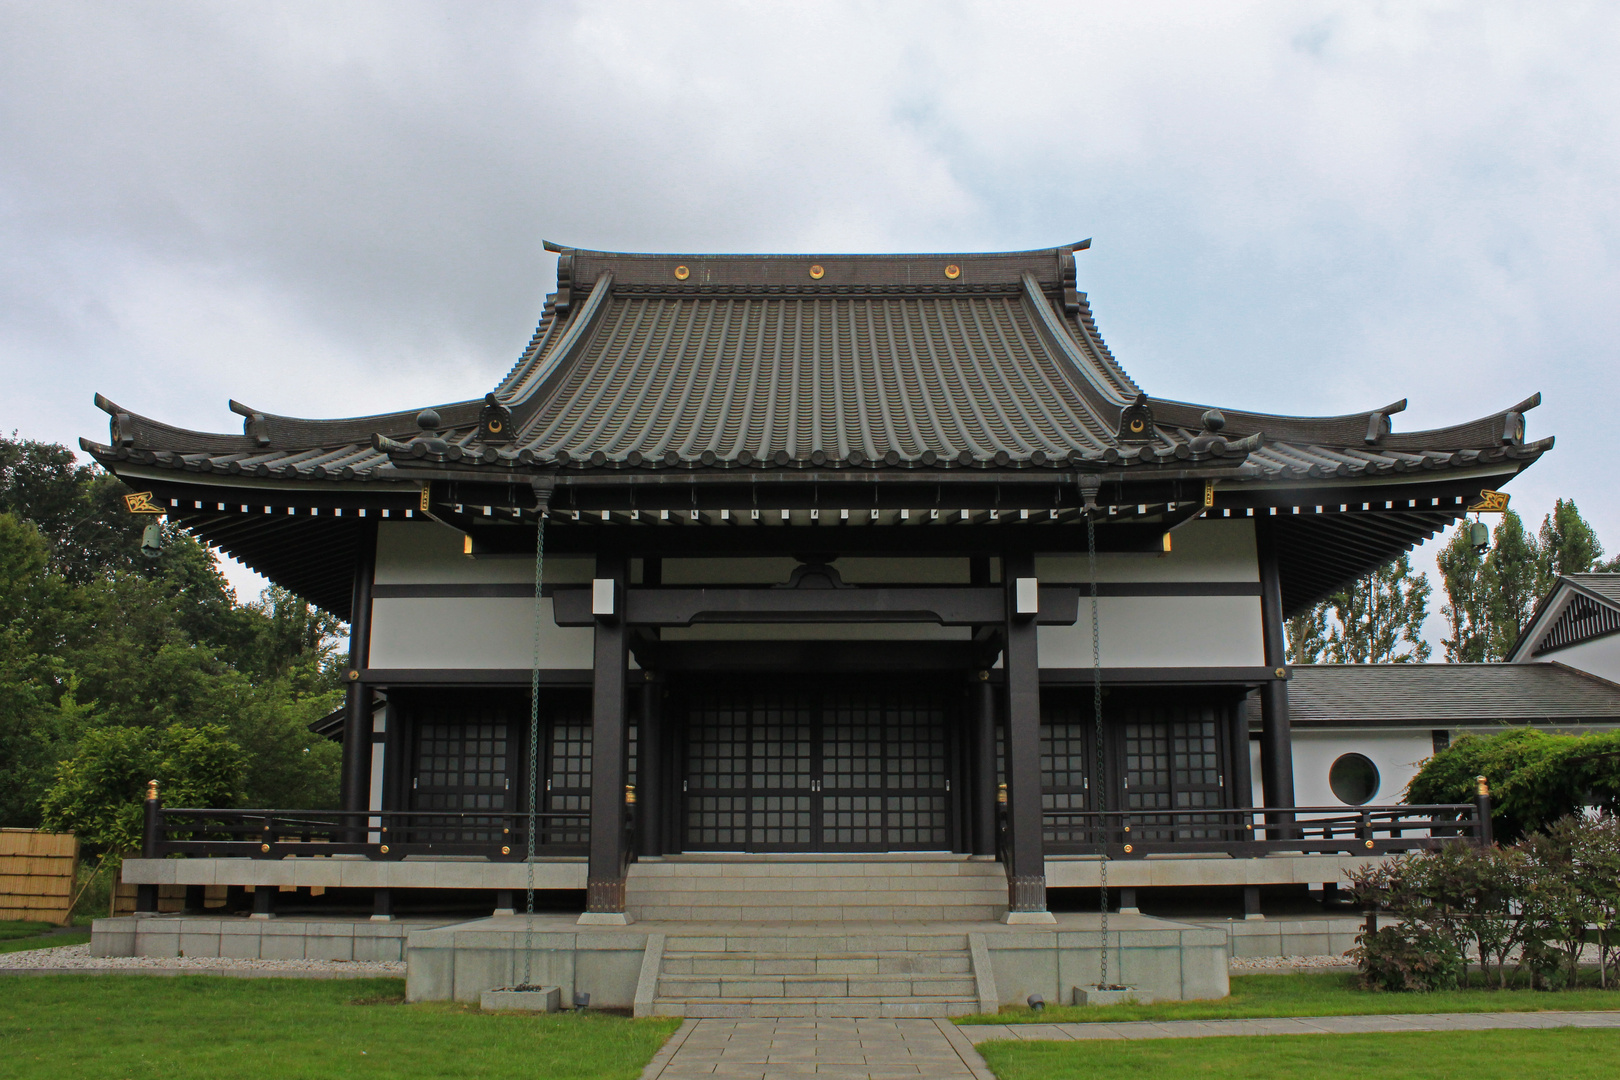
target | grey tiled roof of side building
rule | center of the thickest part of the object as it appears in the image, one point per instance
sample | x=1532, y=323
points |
x=1445, y=695
x=1605, y=585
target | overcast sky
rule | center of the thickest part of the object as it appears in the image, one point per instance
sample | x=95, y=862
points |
x=331, y=208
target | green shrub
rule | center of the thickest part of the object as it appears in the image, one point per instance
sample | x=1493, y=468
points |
x=1537, y=904
x=98, y=792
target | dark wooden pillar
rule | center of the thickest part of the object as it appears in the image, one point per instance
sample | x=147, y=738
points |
x=650, y=809
x=1276, y=739
x=1026, y=862
x=604, y=877
x=356, y=776
x=982, y=785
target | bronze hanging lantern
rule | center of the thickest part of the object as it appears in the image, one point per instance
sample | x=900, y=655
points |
x=152, y=540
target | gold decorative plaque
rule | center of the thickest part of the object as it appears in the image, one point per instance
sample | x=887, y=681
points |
x=953, y=271
x=816, y=271
x=682, y=273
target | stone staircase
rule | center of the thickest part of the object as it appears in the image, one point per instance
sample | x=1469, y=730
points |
x=816, y=888
x=849, y=974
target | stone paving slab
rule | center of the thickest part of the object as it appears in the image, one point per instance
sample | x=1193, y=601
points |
x=1289, y=1025
x=826, y=1049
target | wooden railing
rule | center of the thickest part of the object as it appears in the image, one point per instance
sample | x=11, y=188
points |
x=375, y=834
x=1306, y=830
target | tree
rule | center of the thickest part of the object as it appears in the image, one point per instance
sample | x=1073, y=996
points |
x=1567, y=544
x=1376, y=620
x=1380, y=618
x=94, y=636
x=1460, y=563
x=1307, y=634
x=98, y=792
x=1508, y=582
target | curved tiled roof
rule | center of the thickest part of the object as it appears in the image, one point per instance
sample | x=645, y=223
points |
x=739, y=361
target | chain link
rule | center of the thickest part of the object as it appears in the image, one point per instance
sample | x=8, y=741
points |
x=1100, y=769
x=541, y=509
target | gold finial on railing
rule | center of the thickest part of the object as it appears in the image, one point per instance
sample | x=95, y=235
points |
x=1001, y=794
x=1484, y=788
x=629, y=794
x=151, y=789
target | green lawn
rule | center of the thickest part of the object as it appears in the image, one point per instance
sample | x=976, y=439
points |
x=200, y=1028
x=1568, y=1054
x=18, y=936
x=1329, y=994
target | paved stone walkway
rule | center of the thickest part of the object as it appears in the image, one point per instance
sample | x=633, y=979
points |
x=892, y=1049
x=1292, y=1025
x=826, y=1049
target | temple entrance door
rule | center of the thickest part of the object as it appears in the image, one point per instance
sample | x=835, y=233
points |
x=784, y=767
x=1173, y=764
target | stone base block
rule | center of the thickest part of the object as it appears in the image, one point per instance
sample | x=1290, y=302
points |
x=1091, y=995
x=545, y=999
x=1029, y=918
x=605, y=918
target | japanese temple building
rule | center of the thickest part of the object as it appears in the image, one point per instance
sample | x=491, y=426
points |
x=817, y=574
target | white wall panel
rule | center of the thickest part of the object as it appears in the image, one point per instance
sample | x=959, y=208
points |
x=1160, y=631
x=1600, y=656
x=1219, y=550
x=1398, y=754
x=427, y=553
x=472, y=632
x=854, y=569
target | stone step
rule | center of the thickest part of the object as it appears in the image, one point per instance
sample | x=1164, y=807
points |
x=755, y=987
x=919, y=913
x=821, y=963
x=813, y=944
x=835, y=1008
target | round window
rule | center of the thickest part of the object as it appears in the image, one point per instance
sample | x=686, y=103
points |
x=1354, y=779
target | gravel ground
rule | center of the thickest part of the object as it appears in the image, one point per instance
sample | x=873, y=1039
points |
x=1289, y=963
x=78, y=958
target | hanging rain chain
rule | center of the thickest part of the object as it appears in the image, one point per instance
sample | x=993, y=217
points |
x=1100, y=771
x=542, y=505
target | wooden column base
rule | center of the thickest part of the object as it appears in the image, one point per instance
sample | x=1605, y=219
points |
x=1026, y=893
x=605, y=894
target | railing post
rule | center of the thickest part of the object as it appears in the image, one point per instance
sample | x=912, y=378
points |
x=146, y=896
x=1482, y=812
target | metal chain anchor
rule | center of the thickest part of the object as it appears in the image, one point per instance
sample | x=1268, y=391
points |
x=542, y=506
x=1101, y=769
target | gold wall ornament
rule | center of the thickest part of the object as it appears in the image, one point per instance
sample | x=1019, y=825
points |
x=816, y=271
x=682, y=273
x=506, y=850
x=264, y=847
x=383, y=849
x=1129, y=848
x=953, y=271
x=141, y=503
x=1490, y=502
x=629, y=794
x=1001, y=794
x=1209, y=494
x=426, y=489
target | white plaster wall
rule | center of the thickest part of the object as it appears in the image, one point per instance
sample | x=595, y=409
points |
x=1398, y=755
x=1219, y=550
x=427, y=553
x=1601, y=657
x=472, y=632
x=855, y=570
x=1160, y=631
